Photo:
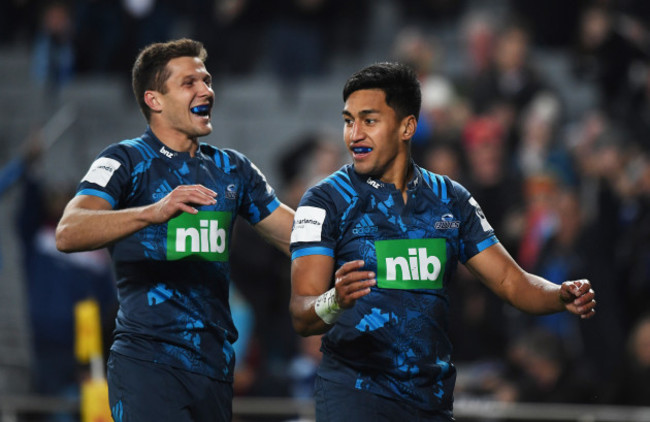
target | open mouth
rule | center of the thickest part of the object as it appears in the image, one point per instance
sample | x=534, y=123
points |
x=202, y=110
x=361, y=150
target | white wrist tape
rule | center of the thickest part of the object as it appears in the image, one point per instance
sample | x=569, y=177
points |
x=327, y=308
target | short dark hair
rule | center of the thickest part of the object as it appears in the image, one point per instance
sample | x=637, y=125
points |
x=150, y=68
x=398, y=81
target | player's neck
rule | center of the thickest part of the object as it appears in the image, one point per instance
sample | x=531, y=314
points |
x=399, y=174
x=176, y=140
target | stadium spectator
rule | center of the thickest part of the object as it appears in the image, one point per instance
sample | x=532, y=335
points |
x=511, y=77
x=490, y=177
x=424, y=54
x=479, y=326
x=537, y=15
x=540, y=192
x=298, y=41
x=233, y=31
x=637, y=117
x=98, y=35
x=311, y=157
x=478, y=34
x=540, y=148
x=563, y=255
x=605, y=54
x=143, y=22
x=444, y=158
x=53, y=57
x=633, y=247
x=631, y=387
x=543, y=372
x=55, y=282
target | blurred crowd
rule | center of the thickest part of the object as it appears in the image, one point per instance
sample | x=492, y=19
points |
x=568, y=193
x=293, y=38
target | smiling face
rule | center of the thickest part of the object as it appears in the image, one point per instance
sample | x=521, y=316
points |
x=182, y=111
x=376, y=138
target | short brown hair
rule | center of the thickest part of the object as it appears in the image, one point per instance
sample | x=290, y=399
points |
x=150, y=68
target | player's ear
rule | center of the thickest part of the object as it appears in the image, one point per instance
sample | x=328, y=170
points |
x=409, y=125
x=152, y=100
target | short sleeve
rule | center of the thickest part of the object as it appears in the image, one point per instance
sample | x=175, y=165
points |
x=314, y=225
x=108, y=176
x=259, y=199
x=476, y=233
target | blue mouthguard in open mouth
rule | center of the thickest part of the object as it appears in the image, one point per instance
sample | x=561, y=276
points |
x=361, y=150
x=202, y=110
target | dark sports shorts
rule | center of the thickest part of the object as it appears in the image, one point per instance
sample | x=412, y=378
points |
x=142, y=391
x=338, y=403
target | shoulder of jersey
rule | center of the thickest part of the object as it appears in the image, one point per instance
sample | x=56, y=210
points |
x=139, y=146
x=225, y=159
x=441, y=186
x=340, y=185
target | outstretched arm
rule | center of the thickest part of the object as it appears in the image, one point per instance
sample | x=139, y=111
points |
x=89, y=222
x=276, y=228
x=530, y=293
x=314, y=308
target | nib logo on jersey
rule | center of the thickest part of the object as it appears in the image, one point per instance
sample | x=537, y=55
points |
x=411, y=263
x=200, y=237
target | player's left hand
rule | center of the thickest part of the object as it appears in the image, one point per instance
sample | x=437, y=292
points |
x=578, y=298
x=352, y=283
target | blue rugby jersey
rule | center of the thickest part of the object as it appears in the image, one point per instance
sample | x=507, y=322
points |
x=393, y=342
x=173, y=278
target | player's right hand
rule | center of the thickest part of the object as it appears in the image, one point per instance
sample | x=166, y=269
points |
x=579, y=298
x=184, y=198
x=351, y=283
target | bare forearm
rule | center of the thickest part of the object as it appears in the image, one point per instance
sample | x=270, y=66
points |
x=276, y=228
x=89, y=222
x=305, y=320
x=526, y=292
x=85, y=229
x=314, y=309
x=535, y=295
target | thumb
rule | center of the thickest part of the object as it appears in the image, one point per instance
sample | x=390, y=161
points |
x=568, y=292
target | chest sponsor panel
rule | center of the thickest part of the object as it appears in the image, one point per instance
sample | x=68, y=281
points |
x=411, y=263
x=200, y=237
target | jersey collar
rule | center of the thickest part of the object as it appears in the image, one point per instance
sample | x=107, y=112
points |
x=377, y=184
x=163, y=150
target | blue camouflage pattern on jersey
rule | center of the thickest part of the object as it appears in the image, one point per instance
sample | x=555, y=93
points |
x=394, y=342
x=176, y=312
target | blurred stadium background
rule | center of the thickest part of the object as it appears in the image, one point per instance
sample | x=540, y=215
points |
x=577, y=71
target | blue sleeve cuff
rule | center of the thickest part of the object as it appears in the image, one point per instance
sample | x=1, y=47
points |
x=95, y=192
x=487, y=243
x=273, y=205
x=316, y=250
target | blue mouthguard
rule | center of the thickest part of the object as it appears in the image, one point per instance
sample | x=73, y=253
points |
x=200, y=109
x=362, y=149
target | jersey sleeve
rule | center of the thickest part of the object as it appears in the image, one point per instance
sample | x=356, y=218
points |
x=108, y=176
x=314, y=225
x=258, y=200
x=476, y=233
